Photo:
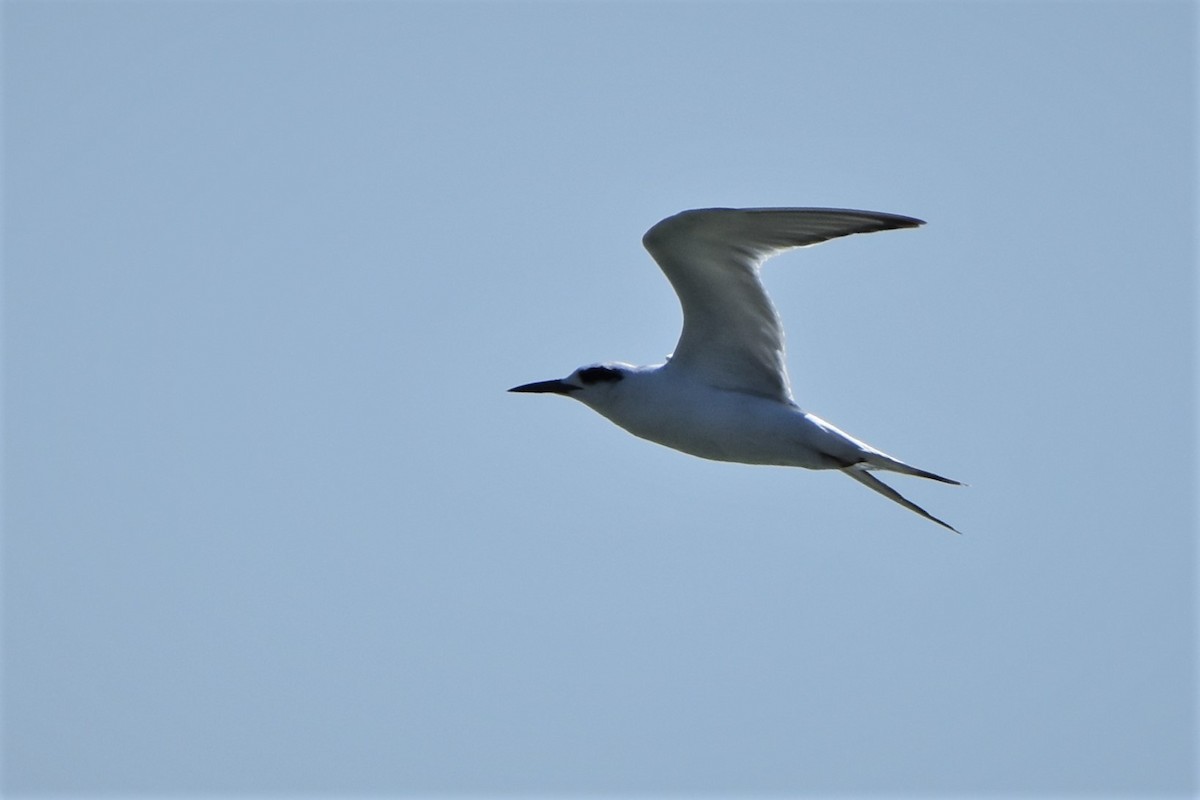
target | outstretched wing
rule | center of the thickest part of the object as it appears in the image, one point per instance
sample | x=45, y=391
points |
x=732, y=337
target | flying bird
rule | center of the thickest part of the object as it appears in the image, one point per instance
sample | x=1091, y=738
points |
x=724, y=393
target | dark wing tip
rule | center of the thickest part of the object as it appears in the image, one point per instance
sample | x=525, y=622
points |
x=694, y=217
x=886, y=219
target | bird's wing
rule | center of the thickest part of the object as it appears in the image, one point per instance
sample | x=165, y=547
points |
x=732, y=337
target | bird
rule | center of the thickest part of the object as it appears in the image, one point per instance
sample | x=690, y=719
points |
x=724, y=393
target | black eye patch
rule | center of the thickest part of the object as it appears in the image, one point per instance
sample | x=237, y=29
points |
x=596, y=374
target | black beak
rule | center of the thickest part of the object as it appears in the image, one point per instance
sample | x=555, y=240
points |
x=540, y=387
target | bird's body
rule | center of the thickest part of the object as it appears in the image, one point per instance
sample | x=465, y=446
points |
x=668, y=406
x=724, y=393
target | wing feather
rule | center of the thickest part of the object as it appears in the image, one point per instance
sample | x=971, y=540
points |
x=732, y=336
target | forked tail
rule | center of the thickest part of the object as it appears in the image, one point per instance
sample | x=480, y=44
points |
x=871, y=482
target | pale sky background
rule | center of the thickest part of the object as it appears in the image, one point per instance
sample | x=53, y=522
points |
x=272, y=524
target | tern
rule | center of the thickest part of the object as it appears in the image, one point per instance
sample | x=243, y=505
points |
x=724, y=393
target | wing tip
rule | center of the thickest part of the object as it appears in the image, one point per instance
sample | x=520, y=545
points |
x=882, y=220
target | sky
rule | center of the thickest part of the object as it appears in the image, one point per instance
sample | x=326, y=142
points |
x=273, y=526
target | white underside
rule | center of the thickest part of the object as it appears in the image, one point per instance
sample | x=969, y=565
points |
x=669, y=408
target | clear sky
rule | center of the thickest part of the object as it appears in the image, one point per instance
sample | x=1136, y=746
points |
x=272, y=524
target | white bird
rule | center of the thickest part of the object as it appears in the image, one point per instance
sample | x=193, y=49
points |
x=724, y=393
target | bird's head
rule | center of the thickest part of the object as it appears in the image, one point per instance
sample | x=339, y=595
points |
x=593, y=385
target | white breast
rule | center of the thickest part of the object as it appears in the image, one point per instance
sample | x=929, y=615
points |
x=673, y=410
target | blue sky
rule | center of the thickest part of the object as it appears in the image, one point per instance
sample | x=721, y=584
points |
x=273, y=525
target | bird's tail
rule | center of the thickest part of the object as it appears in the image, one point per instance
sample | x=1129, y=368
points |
x=860, y=474
x=892, y=465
